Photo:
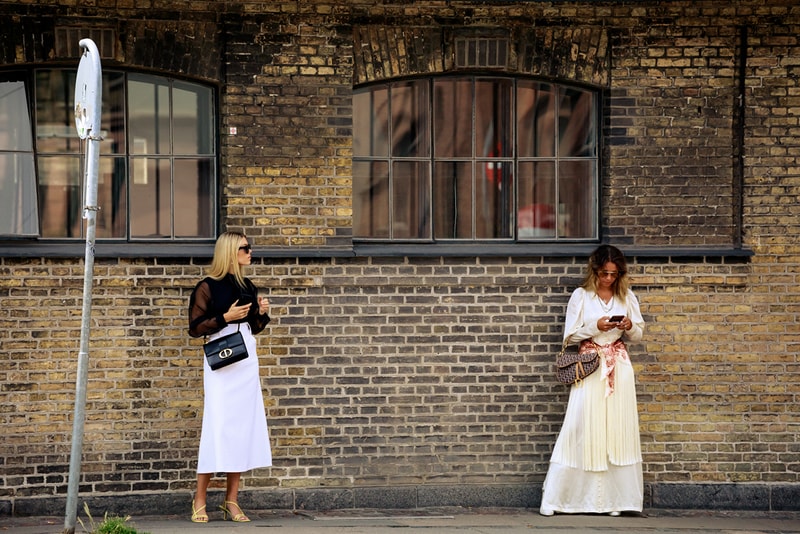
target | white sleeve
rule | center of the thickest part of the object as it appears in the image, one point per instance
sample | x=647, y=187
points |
x=635, y=315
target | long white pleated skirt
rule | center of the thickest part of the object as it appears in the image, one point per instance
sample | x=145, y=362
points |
x=234, y=437
x=596, y=465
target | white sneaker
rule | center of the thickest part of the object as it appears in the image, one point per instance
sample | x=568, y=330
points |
x=546, y=513
x=613, y=514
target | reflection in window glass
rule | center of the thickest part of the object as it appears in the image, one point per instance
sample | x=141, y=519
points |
x=18, y=213
x=537, y=199
x=15, y=125
x=148, y=115
x=512, y=159
x=151, y=198
x=494, y=197
x=452, y=111
x=493, y=118
x=193, y=126
x=371, y=192
x=410, y=200
x=60, y=196
x=371, y=118
x=410, y=124
x=157, y=172
x=55, y=112
x=112, y=195
x=453, y=196
x=62, y=156
x=576, y=126
x=577, y=208
x=396, y=196
x=195, y=178
x=536, y=112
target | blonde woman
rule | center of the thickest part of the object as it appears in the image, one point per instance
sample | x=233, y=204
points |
x=596, y=466
x=234, y=436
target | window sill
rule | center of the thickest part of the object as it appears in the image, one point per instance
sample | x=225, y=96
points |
x=39, y=249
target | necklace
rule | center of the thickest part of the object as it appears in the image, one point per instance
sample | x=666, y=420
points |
x=606, y=307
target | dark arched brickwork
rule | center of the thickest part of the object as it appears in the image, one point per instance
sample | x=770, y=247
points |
x=573, y=54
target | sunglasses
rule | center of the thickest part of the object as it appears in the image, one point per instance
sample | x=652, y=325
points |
x=613, y=274
x=247, y=248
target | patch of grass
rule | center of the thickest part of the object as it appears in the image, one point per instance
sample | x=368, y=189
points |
x=109, y=524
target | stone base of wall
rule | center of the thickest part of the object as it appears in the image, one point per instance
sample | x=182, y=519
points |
x=751, y=497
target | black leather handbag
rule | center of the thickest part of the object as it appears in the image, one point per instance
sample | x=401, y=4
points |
x=225, y=350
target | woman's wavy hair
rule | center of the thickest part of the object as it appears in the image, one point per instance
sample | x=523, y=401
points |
x=226, y=253
x=602, y=255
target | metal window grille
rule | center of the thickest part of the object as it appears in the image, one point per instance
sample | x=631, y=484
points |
x=481, y=52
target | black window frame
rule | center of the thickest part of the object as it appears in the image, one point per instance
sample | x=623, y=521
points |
x=367, y=242
x=41, y=245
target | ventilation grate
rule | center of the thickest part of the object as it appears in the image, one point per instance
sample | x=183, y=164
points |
x=68, y=41
x=483, y=52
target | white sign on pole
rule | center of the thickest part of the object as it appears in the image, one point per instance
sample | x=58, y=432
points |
x=88, y=108
x=86, y=94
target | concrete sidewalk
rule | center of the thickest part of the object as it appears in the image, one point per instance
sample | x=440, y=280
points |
x=442, y=521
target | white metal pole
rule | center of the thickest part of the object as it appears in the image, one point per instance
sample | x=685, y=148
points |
x=88, y=110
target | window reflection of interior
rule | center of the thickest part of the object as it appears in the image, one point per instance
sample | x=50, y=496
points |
x=170, y=118
x=17, y=188
x=436, y=160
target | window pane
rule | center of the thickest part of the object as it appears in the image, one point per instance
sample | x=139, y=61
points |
x=112, y=218
x=194, y=199
x=113, y=119
x=485, y=129
x=494, y=198
x=55, y=112
x=410, y=124
x=15, y=125
x=370, y=199
x=577, y=215
x=536, y=119
x=411, y=200
x=452, y=200
x=18, y=215
x=576, y=128
x=371, y=121
x=148, y=115
x=61, y=196
x=452, y=108
x=192, y=118
x=537, y=199
x=493, y=118
x=151, y=198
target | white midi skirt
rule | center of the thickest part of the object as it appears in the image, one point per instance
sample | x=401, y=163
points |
x=596, y=465
x=234, y=437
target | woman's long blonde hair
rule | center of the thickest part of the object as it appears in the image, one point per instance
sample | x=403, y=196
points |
x=226, y=254
x=602, y=255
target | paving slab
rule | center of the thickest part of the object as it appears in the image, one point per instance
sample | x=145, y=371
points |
x=442, y=521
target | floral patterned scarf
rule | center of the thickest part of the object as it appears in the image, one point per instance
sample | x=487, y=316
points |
x=610, y=352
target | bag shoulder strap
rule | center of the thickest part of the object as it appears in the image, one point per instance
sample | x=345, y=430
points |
x=238, y=326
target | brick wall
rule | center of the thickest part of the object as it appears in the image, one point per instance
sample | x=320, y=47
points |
x=413, y=381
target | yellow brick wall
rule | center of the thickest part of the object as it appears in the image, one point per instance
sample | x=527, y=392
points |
x=387, y=372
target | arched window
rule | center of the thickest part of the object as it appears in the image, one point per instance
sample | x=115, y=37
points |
x=475, y=158
x=157, y=175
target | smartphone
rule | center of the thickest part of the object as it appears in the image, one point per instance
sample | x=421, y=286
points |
x=616, y=318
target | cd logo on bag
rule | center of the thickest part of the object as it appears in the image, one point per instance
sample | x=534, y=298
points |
x=225, y=353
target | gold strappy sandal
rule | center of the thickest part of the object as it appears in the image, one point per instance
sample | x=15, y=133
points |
x=199, y=516
x=237, y=518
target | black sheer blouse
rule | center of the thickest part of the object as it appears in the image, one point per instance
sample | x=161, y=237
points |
x=212, y=298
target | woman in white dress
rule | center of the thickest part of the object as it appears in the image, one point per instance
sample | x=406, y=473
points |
x=234, y=436
x=596, y=466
